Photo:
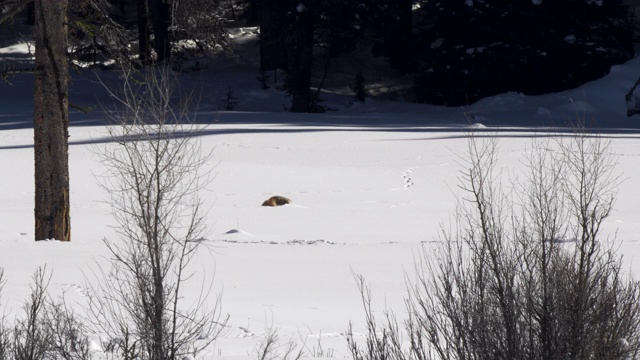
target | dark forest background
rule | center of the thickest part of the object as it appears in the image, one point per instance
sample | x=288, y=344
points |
x=454, y=52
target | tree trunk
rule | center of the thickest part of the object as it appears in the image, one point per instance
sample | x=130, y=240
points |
x=301, y=61
x=160, y=21
x=51, y=121
x=142, y=14
x=401, y=50
x=273, y=50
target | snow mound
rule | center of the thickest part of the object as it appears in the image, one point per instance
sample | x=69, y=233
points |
x=237, y=231
x=476, y=126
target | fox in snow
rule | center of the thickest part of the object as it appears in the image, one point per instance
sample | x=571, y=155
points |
x=276, y=201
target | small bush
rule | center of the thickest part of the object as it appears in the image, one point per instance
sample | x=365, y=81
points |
x=359, y=88
x=264, y=80
x=230, y=100
x=272, y=348
x=47, y=330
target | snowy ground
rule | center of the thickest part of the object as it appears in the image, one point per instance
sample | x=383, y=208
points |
x=370, y=184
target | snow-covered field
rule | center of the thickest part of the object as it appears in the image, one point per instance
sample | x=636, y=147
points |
x=371, y=184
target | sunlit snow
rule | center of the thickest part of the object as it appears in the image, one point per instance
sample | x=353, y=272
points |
x=371, y=186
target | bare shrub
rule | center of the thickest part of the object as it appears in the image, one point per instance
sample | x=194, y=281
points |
x=154, y=174
x=383, y=339
x=5, y=339
x=272, y=348
x=68, y=340
x=31, y=340
x=524, y=273
x=316, y=351
x=48, y=329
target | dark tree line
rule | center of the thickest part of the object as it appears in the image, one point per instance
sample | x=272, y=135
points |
x=295, y=33
x=457, y=51
x=141, y=33
x=468, y=50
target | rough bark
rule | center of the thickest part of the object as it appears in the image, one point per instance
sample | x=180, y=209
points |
x=51, y=122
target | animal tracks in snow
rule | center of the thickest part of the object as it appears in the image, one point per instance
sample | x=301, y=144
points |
x=406, y=177
x=268, y=242
x=79, y=289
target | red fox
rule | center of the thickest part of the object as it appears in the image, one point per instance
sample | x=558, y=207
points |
x=276, y=201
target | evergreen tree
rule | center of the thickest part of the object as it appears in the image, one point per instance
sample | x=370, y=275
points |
x=470, y=49
x=339, y=25
x=160, y=16
x=391, y=23
x=230, y=100
x=110, y=27
x=300, y=51
x=275, y=25
x=328, y=24
x=359, y=88
x=142, y=17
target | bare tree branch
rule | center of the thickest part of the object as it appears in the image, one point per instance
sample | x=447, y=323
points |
x=154, y=173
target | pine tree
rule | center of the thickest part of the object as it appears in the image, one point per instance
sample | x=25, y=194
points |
x=264, y=79
x=230, y=100
x=275, y=25
x=293, y=29
x=160, y=16
x=359, y=89
x=300, y=51
x=391, y=22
